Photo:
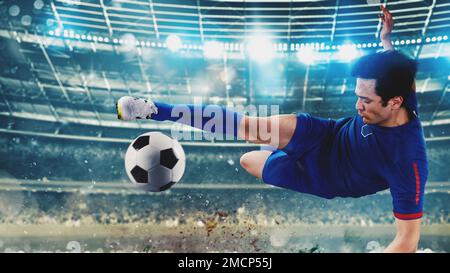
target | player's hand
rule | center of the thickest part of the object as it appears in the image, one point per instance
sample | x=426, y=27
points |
x=388, y=24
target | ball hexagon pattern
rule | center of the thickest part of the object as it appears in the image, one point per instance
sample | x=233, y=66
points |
x=155, y=162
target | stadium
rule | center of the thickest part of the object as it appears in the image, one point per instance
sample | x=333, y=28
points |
x=65, y=63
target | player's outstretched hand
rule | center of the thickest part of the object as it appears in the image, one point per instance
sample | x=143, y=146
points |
x=388, y=23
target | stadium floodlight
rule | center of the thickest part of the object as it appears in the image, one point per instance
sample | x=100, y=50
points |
x=14, y=10
x=306, y=55
x=260, y=48
x=26, y=20
x=212, y=50
x=51, y=32
x=128, y=42
x=38, y=4
x=348, y=52
x=445, y=37
x=427, y=39
x=173, y=43
x=278, y=47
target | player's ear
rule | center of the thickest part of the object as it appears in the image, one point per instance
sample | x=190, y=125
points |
x=396, y=102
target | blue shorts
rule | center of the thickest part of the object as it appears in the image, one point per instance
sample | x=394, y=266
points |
x=300, y=165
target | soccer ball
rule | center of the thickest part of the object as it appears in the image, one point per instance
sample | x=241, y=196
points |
x=155, y=162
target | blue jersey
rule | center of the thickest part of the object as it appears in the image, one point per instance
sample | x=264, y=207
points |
x=348, y=158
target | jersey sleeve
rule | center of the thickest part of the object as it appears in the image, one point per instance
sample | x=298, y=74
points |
x=407, y=189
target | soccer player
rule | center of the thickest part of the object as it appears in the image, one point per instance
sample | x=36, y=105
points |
x=382, y=147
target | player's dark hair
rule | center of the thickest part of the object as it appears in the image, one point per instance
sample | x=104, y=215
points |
x=393, y=71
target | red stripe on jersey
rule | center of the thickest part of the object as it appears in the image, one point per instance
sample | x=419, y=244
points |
x=416, y=173
x=408, y=216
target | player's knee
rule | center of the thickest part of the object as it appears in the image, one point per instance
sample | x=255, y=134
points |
x=244, y=161
x=249, y=164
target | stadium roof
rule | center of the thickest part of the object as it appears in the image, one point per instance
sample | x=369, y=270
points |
x=199, y=20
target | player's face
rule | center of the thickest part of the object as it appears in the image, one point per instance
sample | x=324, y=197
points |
x=369, y=104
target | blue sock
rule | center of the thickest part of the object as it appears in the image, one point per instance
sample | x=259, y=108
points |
x=210, y=118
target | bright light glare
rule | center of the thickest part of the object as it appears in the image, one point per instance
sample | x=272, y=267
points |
x=212, y=50
x=306, y=55
x=260, y=49
x=173, y=43
x=348, y=52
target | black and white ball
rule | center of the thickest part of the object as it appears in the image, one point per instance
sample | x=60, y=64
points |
x=155, y=162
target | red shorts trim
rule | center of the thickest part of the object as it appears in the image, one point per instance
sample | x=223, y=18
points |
x=408, y=216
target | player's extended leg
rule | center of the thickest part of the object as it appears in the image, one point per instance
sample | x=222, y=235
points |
x=275, y=131
x=253, y=162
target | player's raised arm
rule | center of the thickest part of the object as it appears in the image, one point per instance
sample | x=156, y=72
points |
x=385, y=35
x=388, y=25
